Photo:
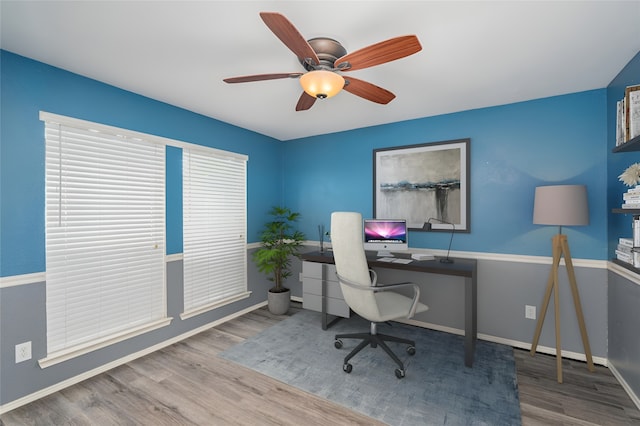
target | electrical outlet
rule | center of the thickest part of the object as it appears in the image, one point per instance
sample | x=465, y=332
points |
x=529, y=312
x=23, y=352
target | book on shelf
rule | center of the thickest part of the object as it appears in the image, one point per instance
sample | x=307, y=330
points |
x=626, y=242
x=624, y=249
x=622, y=121
x=625, y=257
x=632, y=257
x=633, y=196
x=619, y=128
x=633, y=260
x=628, y=115
x=631, y=200
x=634, y=113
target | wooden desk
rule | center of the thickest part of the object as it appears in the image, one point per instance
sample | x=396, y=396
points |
x=466, y=268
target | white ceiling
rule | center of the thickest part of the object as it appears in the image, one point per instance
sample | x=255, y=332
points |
x=475, y=53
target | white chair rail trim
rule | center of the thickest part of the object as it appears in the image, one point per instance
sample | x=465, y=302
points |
x=16, y=280
x=38, y=277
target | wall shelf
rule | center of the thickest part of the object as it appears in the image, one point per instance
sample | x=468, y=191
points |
x=626, y=266
x=629, y=146
x=634, y=212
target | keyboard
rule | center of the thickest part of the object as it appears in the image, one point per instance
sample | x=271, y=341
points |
x=386, y=259
x=394, y=260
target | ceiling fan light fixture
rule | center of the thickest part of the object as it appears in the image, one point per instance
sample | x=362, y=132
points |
x=322, y=84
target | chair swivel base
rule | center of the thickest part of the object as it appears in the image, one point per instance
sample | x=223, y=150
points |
x=374, y=340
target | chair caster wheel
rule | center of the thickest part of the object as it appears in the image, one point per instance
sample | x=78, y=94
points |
x=348, y=367
x=399, y=373
x=338, y=344
x=411, y=350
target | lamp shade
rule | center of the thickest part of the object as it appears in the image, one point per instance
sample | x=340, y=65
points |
x=321, y=83
x=561, y=205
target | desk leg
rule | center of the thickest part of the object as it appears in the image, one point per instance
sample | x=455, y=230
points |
x=325, y=316
x=470, y=319
x=323, y=298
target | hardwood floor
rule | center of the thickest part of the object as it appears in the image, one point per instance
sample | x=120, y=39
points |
x=584, y=398
x=187, y=384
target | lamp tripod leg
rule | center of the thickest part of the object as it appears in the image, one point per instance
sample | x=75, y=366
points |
x=552, y=285
x=560, y=248
x=577, y=304
x=543, y=312
x=556, y=303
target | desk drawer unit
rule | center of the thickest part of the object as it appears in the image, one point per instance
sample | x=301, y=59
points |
x=312, y=290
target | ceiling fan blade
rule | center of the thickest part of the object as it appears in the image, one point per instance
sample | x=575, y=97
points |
x=379, y=53
x=305, y=102
x=368, y=91
x=260, y=77
x=289, y=35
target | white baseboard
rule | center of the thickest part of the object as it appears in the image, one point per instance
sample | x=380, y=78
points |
x=88, y=374
x=513, y=343
x=625, y=386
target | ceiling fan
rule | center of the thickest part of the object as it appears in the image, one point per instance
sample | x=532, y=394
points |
x=325, y=59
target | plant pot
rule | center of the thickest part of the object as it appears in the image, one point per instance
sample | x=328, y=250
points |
x=279, y=302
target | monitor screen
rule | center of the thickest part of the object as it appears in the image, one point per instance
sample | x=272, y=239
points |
x=385, y=235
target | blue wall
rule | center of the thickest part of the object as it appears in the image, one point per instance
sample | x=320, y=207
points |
x=28, y=87
x=514, y=148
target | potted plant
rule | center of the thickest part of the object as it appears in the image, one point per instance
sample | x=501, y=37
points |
x=280, y=241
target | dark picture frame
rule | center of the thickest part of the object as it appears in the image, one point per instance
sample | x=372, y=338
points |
x=423, y=181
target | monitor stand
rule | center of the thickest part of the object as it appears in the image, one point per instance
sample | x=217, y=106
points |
x=385, y=253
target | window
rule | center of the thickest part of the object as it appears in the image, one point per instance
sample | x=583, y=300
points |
x=105, y=236
x=214, y=222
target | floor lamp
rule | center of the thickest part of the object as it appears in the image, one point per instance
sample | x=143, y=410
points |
x=561, y=205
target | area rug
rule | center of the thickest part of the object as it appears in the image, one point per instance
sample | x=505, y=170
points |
x=437, y=390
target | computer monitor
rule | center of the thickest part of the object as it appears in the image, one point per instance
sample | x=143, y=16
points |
x=385, y=235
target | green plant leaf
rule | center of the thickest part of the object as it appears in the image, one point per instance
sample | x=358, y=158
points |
x=279, y=242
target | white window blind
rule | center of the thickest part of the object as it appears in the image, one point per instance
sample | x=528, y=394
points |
x=214, y=234
x=105, y=226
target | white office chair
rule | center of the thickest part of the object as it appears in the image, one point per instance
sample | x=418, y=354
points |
x=372, y=301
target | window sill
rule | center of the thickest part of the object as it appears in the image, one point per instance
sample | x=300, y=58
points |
x=218, y=303
x=76, y=351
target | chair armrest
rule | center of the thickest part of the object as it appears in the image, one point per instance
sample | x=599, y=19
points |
x=416, y=294
x=374, y=278
x=378, y=288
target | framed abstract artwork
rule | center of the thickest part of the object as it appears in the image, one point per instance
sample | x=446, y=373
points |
x=422, y=182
